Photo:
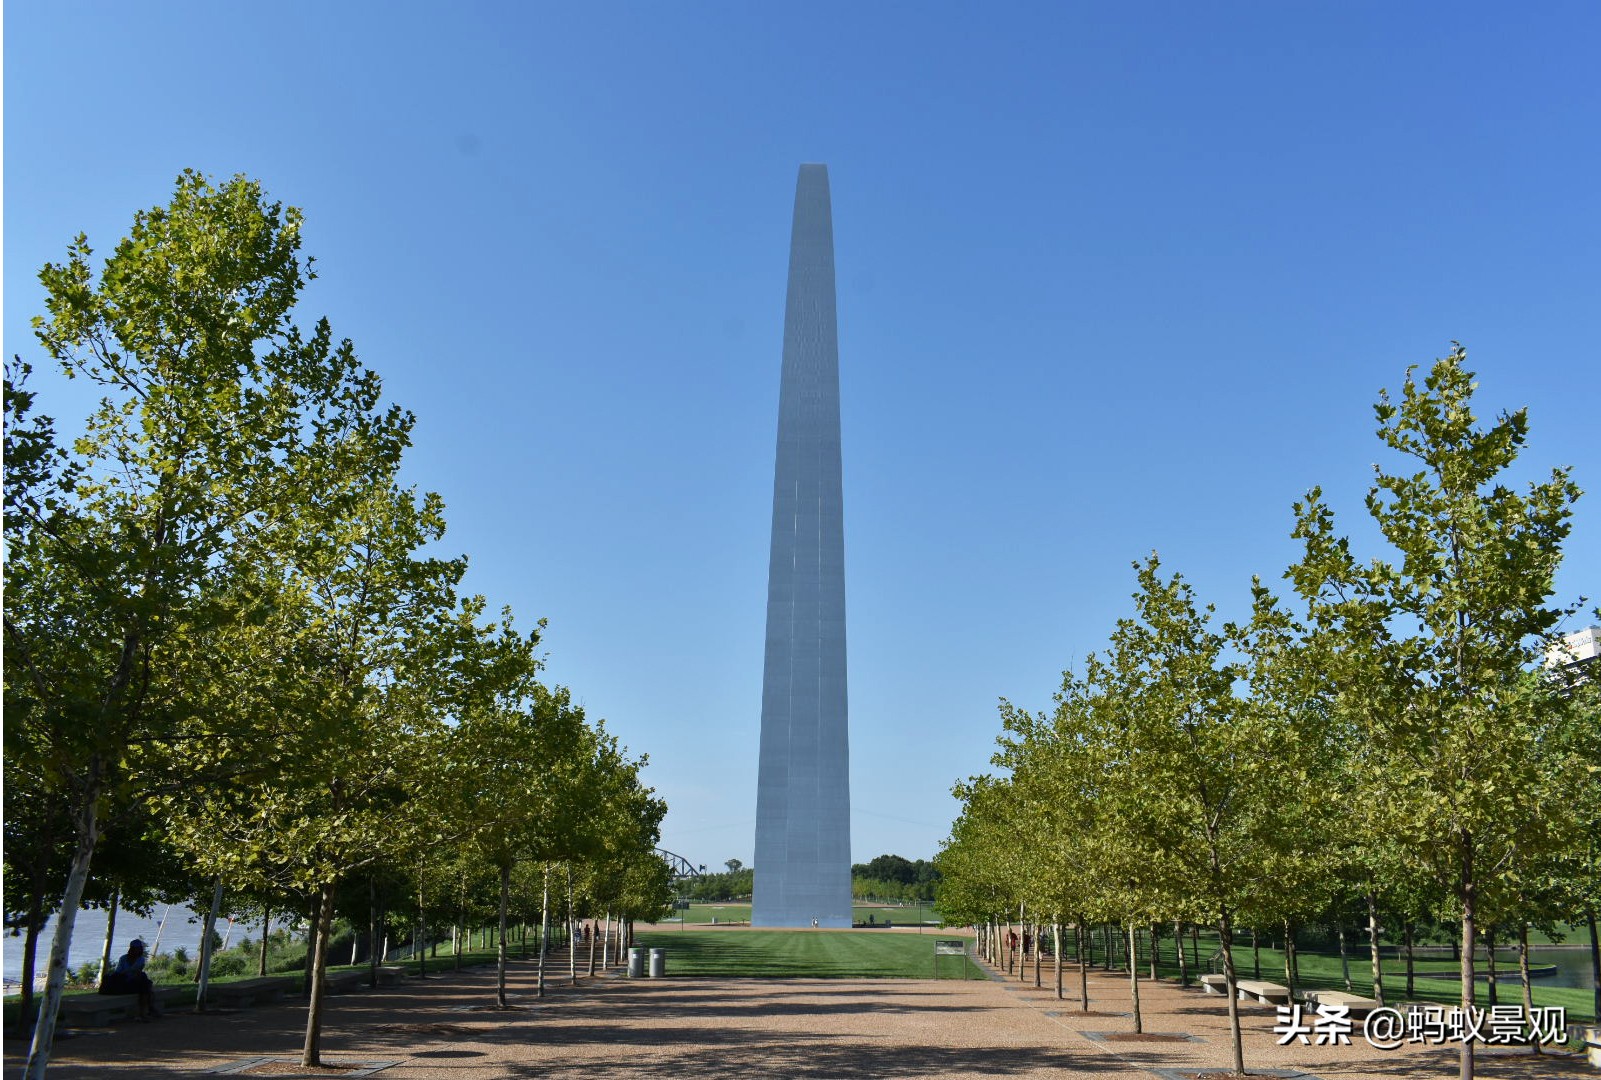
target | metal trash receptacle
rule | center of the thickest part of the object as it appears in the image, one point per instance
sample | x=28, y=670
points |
x=636, y=963
x=658, y=963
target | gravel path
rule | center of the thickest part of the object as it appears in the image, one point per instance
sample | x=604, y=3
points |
x=714, y=1029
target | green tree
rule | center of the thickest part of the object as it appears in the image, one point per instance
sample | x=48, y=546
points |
x=1470, y=601
x=118, y=540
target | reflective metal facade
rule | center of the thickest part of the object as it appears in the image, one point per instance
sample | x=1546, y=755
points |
x=803, y=854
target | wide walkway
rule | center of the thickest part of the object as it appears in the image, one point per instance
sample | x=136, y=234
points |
x=711, y=1029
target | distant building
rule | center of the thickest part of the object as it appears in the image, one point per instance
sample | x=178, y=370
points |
x=1578, y=648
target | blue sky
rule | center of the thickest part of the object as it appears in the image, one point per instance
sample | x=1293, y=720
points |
x=1112, y=278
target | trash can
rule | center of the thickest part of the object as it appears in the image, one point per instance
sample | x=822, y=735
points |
x=658, y=963
x=636, y=963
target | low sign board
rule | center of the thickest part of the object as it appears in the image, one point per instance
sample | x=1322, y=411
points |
x=950, y=947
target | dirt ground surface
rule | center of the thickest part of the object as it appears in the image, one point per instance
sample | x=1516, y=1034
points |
x=444, y=1028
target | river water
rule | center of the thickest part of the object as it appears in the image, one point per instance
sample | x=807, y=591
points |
x=181, y=930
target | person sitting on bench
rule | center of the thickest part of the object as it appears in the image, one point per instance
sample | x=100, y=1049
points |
x=129, y=978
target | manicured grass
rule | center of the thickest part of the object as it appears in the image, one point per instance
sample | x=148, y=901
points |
x=788, y=954
x=1321, y=971
x=740, y=913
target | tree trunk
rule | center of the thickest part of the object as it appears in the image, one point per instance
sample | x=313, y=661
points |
x=1466, y=896
x=311, y=949
x=592, y=937
x=572, y=946
x=44, y=1032
x=1056, y=950
x=605, y=944
x=206, y=950
x=311, y=1053
x=161, y=928
x=1411, y=989
x=1489, y=959
x=1082, y=934
x=372, y=930
x=111, y=933
x=266, y=932
x=1289, y=958
x=1523, y=974
x=1345, y=960
x=1225, y=930
x=30, y=953
x=1256, y=955
x=1595, y=961
x=1134, y=976
x=500, y=956
x=544, y=929
x=1036, y=956
x=1156, y=936
x=422, y=931
x=1178, y=947
x=1195, y=948
x=1373, y=948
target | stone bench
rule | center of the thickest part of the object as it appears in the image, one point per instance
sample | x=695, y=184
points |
x=99, y=1010
x=389, y=974
x=340, y=982
x=1356, y=1003
x=1215, y=984
x=1266, y=992
x=250, y=991
x=1590, y=1037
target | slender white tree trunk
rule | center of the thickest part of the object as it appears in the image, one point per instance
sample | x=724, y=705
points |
x=205, y=945
x=44, y=1031
x=544, y=929
x=1056, y=949
x=111, y=933
x=1134, y=976
x=500, y=964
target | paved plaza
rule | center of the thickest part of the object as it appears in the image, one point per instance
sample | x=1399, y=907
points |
x=743, y=1029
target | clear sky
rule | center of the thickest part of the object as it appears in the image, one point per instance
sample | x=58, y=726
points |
x=1112, y=278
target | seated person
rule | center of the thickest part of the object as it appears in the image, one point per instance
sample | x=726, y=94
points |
x=129, y=978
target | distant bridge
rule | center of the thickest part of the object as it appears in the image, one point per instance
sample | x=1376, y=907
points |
x=682, y=868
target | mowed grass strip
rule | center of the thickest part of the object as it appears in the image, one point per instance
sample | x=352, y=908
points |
x=740, y=913
x=803, y=954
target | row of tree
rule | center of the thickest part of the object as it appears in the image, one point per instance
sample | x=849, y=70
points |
x=1393, y=746
x=893, y=877
x=231, y=649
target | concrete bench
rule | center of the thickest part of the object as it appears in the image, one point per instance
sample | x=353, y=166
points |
x=340, y=982
x=99, y=1010
x=96, y=1010
x=1265, y=992
x=1356, y=1003
x=1215, y=984
x=250, y=991
x=389, y=974
x=1591, y=1038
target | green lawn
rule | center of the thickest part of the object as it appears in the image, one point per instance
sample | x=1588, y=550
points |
x=740, y=913
x=1319, y=971
x=863, y=954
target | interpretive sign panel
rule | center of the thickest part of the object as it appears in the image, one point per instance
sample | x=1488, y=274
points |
x=950, y=947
